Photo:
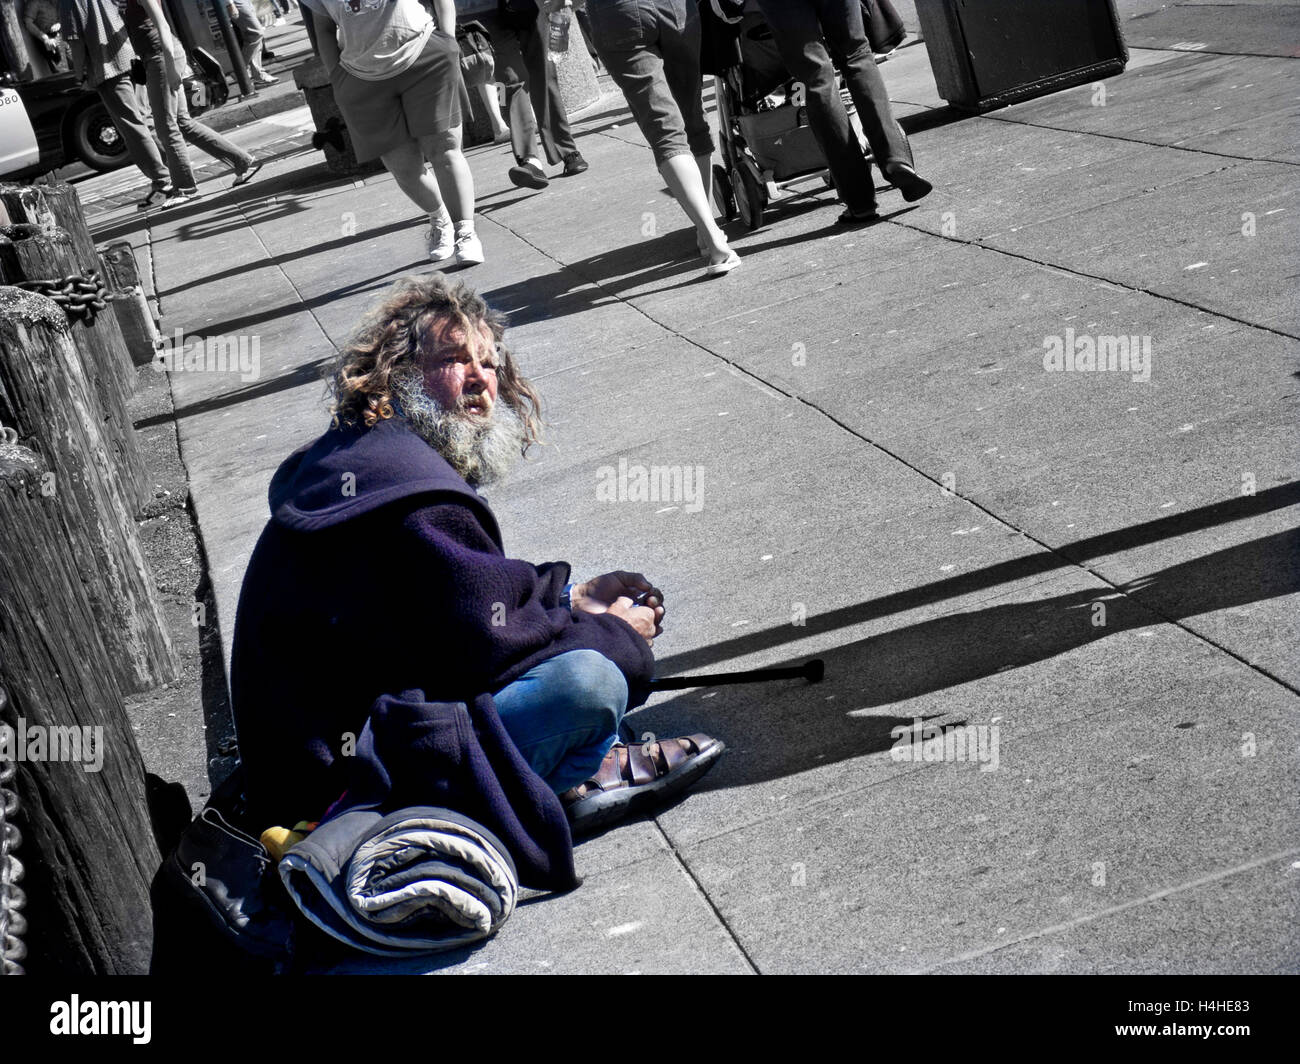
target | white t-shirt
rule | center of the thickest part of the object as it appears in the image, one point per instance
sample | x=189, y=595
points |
x=379, y=38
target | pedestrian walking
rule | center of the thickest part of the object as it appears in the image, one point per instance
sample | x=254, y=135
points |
x=101, y=56
x=651, y=49
x=244, y=16
x=396, y=79
x=809, y=33
x=524, y=66
x=161, y=53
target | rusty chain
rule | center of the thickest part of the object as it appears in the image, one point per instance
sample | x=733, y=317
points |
x=12, y=899
x=80, y=295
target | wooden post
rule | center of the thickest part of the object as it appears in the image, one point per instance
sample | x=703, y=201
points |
x=29, y=253
x=55, y=206
x=122, y=279
x=87, y=848
x=46, y=398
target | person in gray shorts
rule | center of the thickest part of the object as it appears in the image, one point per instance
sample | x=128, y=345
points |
x=396, y=79
x=651, y=49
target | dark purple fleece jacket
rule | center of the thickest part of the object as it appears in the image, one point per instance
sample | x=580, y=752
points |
x=380, y=572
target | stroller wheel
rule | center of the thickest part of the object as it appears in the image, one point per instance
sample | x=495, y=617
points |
x=751, y=199
x=724, y=194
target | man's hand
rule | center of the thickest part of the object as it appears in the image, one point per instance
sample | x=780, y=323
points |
x=601, y=592
x=625, y=595
x=641, y=618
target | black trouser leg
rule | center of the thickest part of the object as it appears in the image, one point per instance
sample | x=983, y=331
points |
x=544, y=91
x=798, y=34
x=523, y=126
x=841, y=23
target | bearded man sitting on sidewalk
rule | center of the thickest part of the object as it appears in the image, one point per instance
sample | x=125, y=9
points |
x=382, y=571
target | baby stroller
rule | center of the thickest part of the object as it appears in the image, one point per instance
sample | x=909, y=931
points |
x=767, y=145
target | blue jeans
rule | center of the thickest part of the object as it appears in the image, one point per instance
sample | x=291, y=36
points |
x=174, y=126
x=564, y=714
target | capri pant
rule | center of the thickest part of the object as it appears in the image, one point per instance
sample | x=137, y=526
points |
x=651, y=49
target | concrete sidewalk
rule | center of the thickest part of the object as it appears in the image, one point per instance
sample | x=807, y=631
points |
x=1100, y=570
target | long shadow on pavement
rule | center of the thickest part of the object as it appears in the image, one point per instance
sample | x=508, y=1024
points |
x=949, y=651
x=597, y=280
x=1031, y=565
x=311, y=250
x=246, y=322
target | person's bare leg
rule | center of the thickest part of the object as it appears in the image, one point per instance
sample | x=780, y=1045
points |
x=406, y=164
x=487, y=91
x=705, y=163
x=682, y=176
x=455, y=181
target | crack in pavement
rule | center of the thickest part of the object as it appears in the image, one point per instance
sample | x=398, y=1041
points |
x=978, y=242
x=1010, y=120
x=1054, y=929
x=680, y=858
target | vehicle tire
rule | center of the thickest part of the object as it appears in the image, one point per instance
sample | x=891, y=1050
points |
x=723, y=193
x=94, y=140
x=751, y=199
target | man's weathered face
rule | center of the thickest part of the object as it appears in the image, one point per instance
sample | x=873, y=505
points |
x=460, y=368
x=450, y=400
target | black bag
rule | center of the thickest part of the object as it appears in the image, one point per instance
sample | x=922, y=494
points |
x=884, y=27
x=477, y=60
x=137, y=72
x=208, y=74
x=218, y=901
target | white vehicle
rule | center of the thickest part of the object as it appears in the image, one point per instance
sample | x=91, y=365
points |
x=18, y=148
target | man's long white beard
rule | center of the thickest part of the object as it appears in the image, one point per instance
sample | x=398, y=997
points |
x=480, y=449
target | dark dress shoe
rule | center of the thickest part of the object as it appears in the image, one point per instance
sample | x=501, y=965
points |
x=908, y=182
x=529, y=175
x=850, y=218
x=574, y=164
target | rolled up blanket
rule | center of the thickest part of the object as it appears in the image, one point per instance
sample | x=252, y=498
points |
x=418, y=880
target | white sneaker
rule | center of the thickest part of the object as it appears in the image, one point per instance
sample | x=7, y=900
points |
x=469, y=249
x=442, y=240
x=261, y=81
x=279, y=20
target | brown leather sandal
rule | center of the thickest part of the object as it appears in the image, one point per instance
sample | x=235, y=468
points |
x=636, y=777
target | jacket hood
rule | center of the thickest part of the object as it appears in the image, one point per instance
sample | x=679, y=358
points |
x=350, y=471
